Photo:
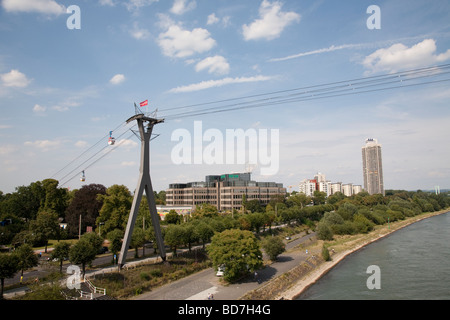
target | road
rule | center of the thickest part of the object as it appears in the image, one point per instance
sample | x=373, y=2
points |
x=199, y=285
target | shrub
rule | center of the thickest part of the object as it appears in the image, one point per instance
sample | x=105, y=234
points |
x=324, y=231
x=273, y=247
x=325, y=253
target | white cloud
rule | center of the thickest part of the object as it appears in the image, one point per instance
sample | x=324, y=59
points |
x=271, y=23
x=14, y=78
x=182, y=6
x=318, y=51
x=7, y=149
x=212, y=19
x=117, y=79
x=128, y=164
x=134, y=5
x=216, y=64
x=81, y=144
x=217, y=83
x=127, y=143
x=39, y=109
x=44, y=145
x=180, y=43
x=107, y=3
x=40, y=6
x=139, y=33
x=399, y=57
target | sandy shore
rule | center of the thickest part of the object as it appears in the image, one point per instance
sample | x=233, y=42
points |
x=309, y=279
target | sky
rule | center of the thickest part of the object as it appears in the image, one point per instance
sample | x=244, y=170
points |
x=71, y=72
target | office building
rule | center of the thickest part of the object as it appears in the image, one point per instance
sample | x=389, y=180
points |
x=225, y=191
x=372, y=167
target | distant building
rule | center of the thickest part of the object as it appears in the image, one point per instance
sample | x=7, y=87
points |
x=183, y=210
x=225, y=191
x=372, y=167
x=320, y=183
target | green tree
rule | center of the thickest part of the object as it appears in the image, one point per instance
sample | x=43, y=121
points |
x=324, y=231
x=9, y=265
x=45, y=227
x=115, y=242
x=273, y=246
x=205, y=210
x=85, y=250
x=191, y=234
x=116, y=208
x=204, y=231
x=325, y=253
x=237, y=250
x=174, y=237
x=26, y=257
x=173, y=217
x=137, y=240
x=61, y=253
x=319, y=197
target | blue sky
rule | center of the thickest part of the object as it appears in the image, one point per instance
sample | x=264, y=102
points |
x=62, y=90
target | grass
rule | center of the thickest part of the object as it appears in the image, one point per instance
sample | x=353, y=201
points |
x=144, y=278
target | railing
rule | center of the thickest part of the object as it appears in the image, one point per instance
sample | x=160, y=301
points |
x=93, y=288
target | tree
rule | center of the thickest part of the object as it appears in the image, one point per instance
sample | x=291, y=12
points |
x=174, y=237
x=45, y=227
x=237, y=250
x=190, y=234
x=60, y=252
x=173, y=217
x=319, y=197
x=26, y=258
x=85, y=203
x=115, y=242
x=9, y=265
x=85, y=250
x=324, y=231
x=137, y=240
x=55, y=198
x=205, y=210
x=205, y=232
x=273, y=246
x=116, y=208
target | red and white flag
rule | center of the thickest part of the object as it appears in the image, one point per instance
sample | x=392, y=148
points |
x=143, y=103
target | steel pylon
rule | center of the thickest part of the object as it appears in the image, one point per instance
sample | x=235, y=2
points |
x=144, y=184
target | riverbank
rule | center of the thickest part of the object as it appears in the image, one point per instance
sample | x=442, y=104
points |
x=343, y=246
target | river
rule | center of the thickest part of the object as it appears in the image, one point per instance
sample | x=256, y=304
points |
x=414, y=263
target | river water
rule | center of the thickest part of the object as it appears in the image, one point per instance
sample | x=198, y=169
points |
x=414, y=263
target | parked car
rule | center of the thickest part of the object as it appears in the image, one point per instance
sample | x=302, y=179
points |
x=220, y=271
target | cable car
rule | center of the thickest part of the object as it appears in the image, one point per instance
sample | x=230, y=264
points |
x=111, y=140
x=82, y=178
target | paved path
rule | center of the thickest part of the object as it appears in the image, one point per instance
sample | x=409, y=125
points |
x=199, y=285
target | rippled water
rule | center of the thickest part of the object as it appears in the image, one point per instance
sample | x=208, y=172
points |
x=414, y=263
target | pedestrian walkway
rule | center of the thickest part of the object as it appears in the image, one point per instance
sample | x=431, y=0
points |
x=199, y=285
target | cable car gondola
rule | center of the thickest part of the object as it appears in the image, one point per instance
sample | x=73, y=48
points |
x=82, y=178
x=111, y=140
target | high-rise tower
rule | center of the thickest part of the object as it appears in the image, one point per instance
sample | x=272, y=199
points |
x=372, y=167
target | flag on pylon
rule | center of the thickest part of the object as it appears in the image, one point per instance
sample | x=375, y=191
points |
x=143, y=103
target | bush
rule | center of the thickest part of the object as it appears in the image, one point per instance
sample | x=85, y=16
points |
x=325, y=253
x=273, y=246
x=324, y=231
x=362, y=224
